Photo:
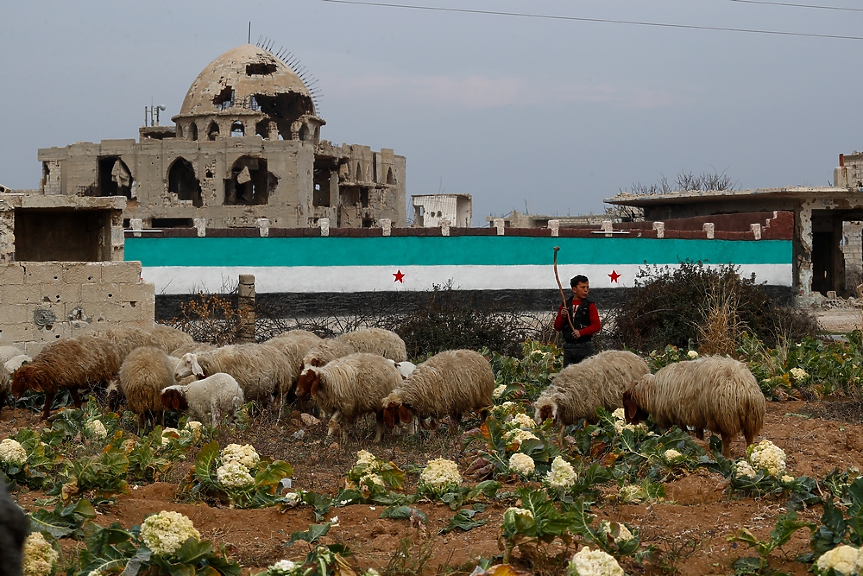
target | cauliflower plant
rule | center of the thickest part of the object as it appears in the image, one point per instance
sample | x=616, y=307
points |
x=672, y=455
x=620, y=423
x=39, y=556
x=245, y=455
x=518, y=512
x=97, y=429
x=522, y=420
x=562, y=474
x=522, y=464
x=768, y=457
x=623, y=533
x=498, y=392
x=517, y=436
x=168, y=434
x=365, y=457
x=587, y=562
x=440, y=476
x=282, y=568
x=234, y=475
x=692, y=354
x=799, y=374
x=195, y=428
x=742, y=469
x=632, y=493
x=11, y=452
x=845, y=560
x=165, y=532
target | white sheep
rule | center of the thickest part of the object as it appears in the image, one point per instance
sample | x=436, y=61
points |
x=578, y=390
x=170, y=338
x=450, y=383
x=193, y=346
x=259, y=369
x=327, y=350
x=712, y=392
x=349, y=387
x=9, y=352
x=376, y=341
x=207, y=400
x=145, y=372
x=16, y=362
x=404, y=367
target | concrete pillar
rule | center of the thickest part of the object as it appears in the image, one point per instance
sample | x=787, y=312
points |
x=802, y=248
x=444, y=227
x=710, y=229
x=660, y=229
x=554, y=226
x=756, y=230
x=500, y=225
x=246, y=308
x=324, y=224
x=386, y=225
x=201, y=226
x=607, y=227
x=263, y=226
x=136, y=224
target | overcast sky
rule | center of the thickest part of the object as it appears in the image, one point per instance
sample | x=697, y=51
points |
x=549, y=114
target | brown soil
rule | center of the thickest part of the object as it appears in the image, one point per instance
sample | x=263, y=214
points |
x=691, y=528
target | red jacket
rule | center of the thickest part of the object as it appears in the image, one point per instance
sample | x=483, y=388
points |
x=561, y=322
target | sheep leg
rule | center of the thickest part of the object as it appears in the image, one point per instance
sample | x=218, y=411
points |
x=379, y=418
x=334, y=422
x=726, y=444
x=49, y=400
x=76, y=397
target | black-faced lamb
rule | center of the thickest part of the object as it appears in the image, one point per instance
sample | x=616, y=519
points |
x=349, y=387
x=259, y=369
x=73, y=363
x=578, y=390
x=451, y=383
x=207, y=400
x=712, y=392
x=376, y=341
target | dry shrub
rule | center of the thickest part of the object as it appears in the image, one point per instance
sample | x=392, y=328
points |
x=209, y=318
x=721, y=329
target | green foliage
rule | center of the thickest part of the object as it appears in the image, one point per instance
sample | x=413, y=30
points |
x=786, y=526
x=64, y=520
x=667, y=306
x=321, y=560
x=114, y=549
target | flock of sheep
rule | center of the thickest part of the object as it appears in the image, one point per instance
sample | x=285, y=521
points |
x=367, y=372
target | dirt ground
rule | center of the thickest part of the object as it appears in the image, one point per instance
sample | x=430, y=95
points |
x=691, y=527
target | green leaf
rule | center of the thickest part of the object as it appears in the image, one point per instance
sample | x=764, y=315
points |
x=205, y=462
x=311, y=535
x=463, y=520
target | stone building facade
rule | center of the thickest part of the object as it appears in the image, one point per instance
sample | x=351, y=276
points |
x=245, y=147
x=62, y=271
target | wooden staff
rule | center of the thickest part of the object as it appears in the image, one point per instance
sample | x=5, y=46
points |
x=560, y=286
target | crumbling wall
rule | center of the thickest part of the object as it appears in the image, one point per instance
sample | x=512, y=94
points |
x=41, y=302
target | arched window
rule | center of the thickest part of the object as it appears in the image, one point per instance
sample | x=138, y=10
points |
x=304, y=132
x=390, y=178
x=213, y=131
x=250, y=182
x=183, y=183
x=358, y=175
x=193, y=131
x=237, y=129
x=115, y=178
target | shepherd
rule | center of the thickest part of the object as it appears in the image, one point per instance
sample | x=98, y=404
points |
x=580, y=314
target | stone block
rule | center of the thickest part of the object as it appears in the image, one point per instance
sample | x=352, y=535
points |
x=43, y=272
x=139, y=292
x=21, y=332
x=82, y=272
x=20, y=294
x=61, y=293
x=11, y=273
x=121, y=272
x=13, y=314
x=101, y=292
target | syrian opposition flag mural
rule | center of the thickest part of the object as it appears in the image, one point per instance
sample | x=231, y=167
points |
x=418, y=263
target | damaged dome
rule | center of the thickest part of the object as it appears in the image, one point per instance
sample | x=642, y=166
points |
x=248, y=77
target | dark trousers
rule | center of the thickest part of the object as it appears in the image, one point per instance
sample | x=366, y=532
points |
x=576, y=355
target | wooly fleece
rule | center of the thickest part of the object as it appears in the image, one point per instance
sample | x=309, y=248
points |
x=377, y=341
x=351, y=386
x=450, y=383
x=578, y=390
x=207, y=400
x=145, y=372
x=712, y=392
x=327, y=351
x=259, y=369
x=170, y=338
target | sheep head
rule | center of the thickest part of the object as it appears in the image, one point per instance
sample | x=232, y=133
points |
x=632, y=411
x=187, y=366
x=307, y=383
x=544, y=412
x=115, y=396
x=28, y=378
x=173, y=399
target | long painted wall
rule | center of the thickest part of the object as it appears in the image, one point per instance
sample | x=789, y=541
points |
x=311, y=264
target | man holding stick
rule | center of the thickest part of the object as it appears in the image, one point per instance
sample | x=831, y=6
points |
x=578, y=321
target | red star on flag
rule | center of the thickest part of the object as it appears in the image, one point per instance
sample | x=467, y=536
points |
x=614, y=276
x=399, y=277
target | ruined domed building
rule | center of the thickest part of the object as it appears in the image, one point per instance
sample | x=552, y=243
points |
x=245, y=151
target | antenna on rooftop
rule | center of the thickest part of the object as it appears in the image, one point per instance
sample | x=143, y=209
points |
x=293, y=63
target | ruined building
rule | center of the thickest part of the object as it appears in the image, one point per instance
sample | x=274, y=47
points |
x=245, y=151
